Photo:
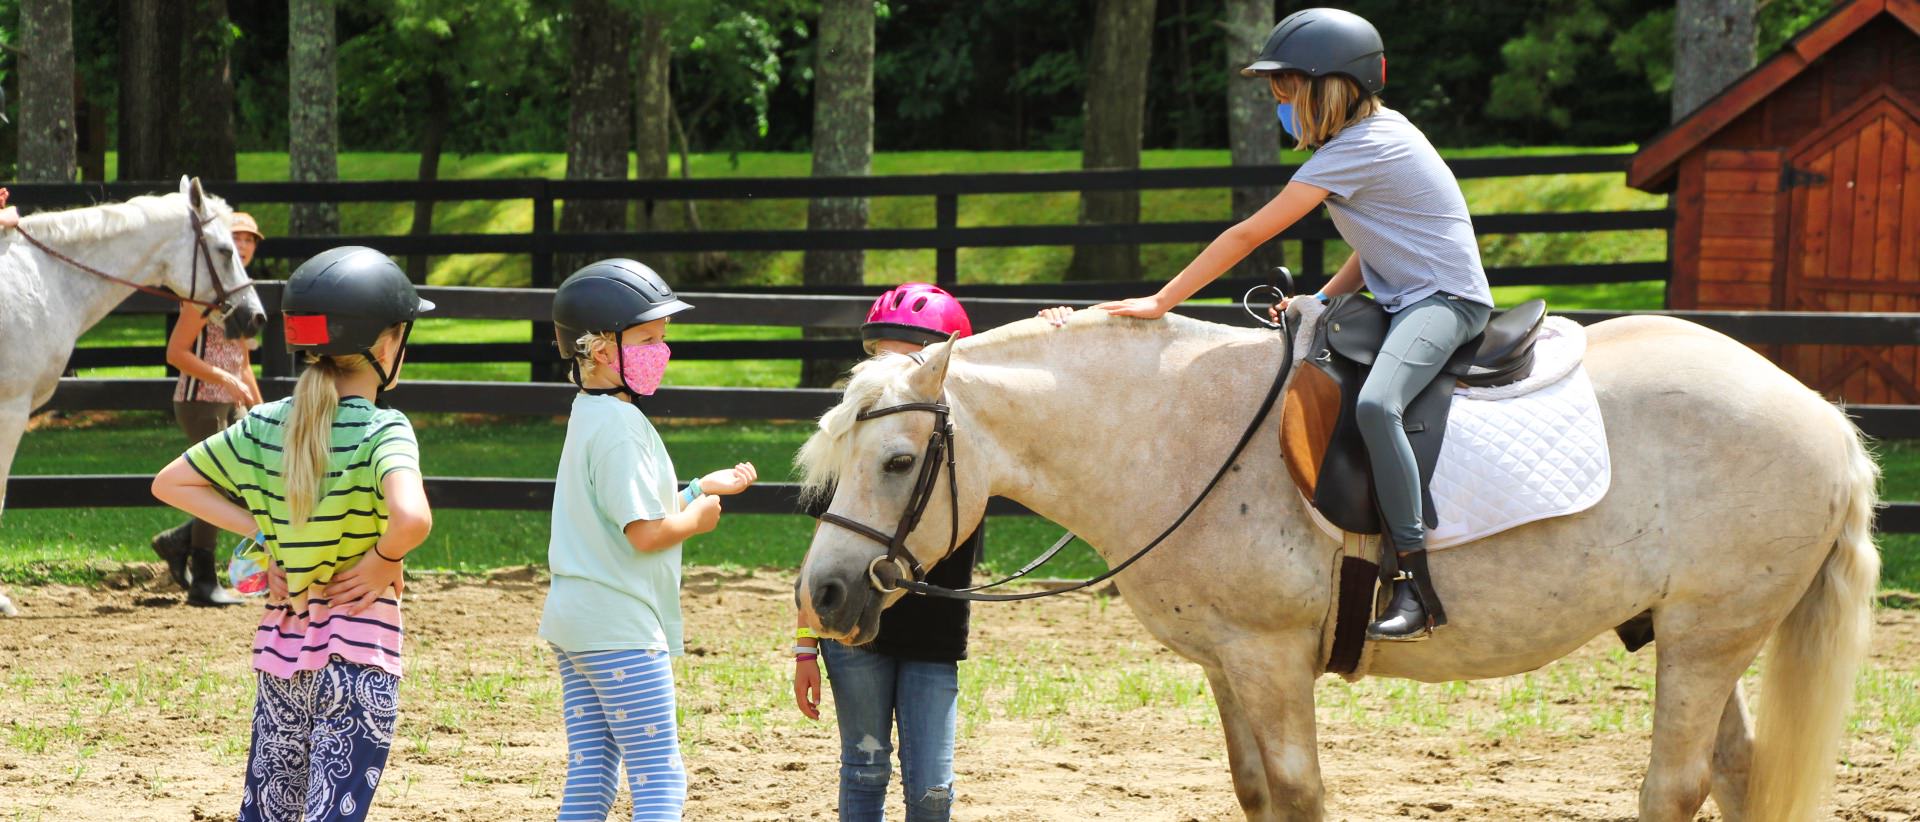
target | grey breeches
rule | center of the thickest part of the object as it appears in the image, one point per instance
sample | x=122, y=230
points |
x=1420, y=338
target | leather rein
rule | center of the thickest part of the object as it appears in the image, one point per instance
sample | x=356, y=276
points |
x=221, y=296
x=897, y=569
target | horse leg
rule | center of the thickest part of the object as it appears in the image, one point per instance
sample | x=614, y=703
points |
x=1243, y=751
x=1271, y=679
x=1733, y=757
x=1699, y=666
x=13, y=423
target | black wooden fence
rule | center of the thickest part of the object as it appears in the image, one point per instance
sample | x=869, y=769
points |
x=542, y=243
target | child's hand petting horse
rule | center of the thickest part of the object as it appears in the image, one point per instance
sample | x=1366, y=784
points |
x=729, y=480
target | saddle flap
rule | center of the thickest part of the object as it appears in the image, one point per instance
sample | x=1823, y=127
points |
x=1308, y=413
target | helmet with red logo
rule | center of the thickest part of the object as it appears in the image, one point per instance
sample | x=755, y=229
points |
x=919, y=313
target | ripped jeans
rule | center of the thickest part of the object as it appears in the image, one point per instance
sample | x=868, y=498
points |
x=871, y=690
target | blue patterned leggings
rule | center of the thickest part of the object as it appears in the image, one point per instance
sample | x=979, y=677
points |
x=320, y=741
x=619, y=709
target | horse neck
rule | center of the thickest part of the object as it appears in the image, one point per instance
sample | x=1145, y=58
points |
x=1102, y=427
x=145, y=255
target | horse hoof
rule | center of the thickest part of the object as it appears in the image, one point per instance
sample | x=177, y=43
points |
x=7, y=609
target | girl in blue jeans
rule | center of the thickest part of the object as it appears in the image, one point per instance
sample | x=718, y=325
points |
x=1399, y=206
x=909, y=676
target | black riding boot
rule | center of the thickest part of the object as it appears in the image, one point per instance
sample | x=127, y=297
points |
x=1415, y=610
x=173, y=545
x=204, y=588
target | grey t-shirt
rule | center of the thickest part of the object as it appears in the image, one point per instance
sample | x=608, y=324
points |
x=1396, y=202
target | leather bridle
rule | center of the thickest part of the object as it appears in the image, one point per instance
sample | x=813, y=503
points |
x=907, y=572
x=939, y=450
x=221, y=296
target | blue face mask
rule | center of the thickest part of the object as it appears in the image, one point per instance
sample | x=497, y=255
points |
x=1285, y=112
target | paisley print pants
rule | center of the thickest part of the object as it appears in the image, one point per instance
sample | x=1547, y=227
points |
x=320, y=741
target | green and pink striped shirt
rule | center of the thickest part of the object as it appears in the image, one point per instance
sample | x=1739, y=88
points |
x=246, y=461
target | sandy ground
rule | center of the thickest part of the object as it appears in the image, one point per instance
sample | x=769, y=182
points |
x=123, y=704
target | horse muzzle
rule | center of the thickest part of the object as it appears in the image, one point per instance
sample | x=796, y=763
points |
x=846, y=606
x=244, y=319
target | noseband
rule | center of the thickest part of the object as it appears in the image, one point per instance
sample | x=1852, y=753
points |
x=221, y=296
x=898, y=561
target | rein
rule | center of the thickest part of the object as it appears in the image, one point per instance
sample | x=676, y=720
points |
x=908, y=570
x=220, y=295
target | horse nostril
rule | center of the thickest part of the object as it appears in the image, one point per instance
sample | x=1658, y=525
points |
x=828, y=597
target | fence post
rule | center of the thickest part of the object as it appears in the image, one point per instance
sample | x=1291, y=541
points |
x=1313, y=258
x=275, y=359
x=540, y=367
x=946, y=258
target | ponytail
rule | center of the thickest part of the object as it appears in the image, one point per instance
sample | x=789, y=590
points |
x=309, y=441
x=310, y=435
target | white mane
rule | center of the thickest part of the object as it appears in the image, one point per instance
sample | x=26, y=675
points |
x=90, y=223
x=830, y=449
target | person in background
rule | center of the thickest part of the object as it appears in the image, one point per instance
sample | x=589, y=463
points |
x=215, y=389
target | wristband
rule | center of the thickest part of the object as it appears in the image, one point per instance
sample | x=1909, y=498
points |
x=692, y=493
x=1321, y=296
x=804, y=633
x=376, y=552
x=805, y=651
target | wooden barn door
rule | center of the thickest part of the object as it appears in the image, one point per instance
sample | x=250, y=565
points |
x=1854, y=231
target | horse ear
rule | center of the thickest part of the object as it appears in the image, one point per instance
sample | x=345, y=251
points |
x=186, y=185
x=197, y=196
x=927, y=381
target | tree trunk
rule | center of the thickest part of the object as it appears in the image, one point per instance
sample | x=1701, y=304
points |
x=46, y=91
x=312, y=111
x=1713, y=43
x=1115, y=114
x=205, y=145
x=842, y=147
x=149, y=87
x=600, y=126
x=433, y=135
x=1253, y=134
x=652, y=106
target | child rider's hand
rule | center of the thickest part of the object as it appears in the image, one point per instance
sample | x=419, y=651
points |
x=706, y=514
x=729, y=480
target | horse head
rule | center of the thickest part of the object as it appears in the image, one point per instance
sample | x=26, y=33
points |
x=872, y=455
x=205, y=265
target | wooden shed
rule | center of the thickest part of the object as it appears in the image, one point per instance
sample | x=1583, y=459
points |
x=1798, y=189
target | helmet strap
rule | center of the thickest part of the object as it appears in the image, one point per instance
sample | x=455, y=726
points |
x=400, y=352
x=620, y=362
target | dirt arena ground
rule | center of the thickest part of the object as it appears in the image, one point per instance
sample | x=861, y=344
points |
x=123, y=704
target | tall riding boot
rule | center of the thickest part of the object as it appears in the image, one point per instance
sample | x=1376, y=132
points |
x=1415, y=609
x=205, y=587
x=173, y=546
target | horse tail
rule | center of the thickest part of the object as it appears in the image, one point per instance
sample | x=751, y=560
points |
x=1816, y=653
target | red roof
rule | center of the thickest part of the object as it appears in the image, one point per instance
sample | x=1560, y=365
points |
x=1654, y=165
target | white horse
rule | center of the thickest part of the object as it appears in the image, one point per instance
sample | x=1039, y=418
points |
x=1741, y=509
x=47, y=302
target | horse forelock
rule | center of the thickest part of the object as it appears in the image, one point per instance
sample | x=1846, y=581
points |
x=90, y=223
x=826, y=454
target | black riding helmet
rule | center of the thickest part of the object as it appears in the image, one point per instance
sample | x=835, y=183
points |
x=1320, y=42
x=608, y=297
x=340, y=300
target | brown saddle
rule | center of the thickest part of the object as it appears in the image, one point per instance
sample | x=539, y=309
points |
x=1318, y=433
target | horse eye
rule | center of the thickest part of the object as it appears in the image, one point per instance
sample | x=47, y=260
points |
x=900, y=464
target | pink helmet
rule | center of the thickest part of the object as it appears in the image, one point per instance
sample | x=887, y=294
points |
x=919, y=313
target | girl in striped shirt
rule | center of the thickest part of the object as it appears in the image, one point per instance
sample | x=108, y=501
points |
x=330, y=485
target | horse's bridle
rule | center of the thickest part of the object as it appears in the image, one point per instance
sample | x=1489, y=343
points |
x=221, y=296
x=939, y=450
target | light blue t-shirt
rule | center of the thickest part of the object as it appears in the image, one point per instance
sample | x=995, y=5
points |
x=1399, y=206
x=606, y=596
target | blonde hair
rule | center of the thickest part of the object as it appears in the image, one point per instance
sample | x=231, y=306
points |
x=584, y=349
x=1322, y=106
x=310, y=426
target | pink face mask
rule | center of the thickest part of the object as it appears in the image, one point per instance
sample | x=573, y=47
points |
x=644, y=365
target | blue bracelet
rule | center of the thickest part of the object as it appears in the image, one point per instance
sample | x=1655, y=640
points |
x=691, y=493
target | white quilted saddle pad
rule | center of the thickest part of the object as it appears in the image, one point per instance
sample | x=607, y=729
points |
x=1524, y=452
x=1520, y=453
